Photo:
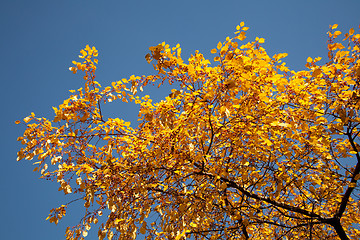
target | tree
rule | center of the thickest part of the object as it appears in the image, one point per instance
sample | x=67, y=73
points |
x=243, y=149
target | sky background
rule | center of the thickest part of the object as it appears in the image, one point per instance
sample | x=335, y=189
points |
x=39, y=40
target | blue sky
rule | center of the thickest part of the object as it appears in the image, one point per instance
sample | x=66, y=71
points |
x=39, y=39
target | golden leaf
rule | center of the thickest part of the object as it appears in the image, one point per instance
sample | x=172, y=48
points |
x=316, y=72
x=351, y=31
x=27, y=119
x=246, y=134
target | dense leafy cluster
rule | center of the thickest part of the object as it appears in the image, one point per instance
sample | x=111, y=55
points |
x=244, y=148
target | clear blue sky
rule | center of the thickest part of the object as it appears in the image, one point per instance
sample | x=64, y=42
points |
x=39, y=39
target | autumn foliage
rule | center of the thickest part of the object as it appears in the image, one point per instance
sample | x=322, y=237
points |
x=243, y=148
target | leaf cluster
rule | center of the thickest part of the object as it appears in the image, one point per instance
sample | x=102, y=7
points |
x=244, y=148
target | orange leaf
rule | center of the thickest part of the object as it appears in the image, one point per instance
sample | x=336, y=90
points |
x=316, y=72
x=351, y=31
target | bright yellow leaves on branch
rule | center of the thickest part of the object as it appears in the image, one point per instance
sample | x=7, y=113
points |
x=87, y=65
x=244, y=148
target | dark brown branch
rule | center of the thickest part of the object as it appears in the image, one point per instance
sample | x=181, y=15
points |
x=353, y=182
x=232, y=184
x=335, y=222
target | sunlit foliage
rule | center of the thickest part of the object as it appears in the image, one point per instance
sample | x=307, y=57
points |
x=243, y=148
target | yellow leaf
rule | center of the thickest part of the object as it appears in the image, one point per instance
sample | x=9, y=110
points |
x=17, y=121
x=227, y=112
x=242, y=24
x=87, y=227
x=268, y=142
x=179, y=236
x=261, y=40
x=213, y=51
x=78, y=181
x=309, y=60
x=280, y=124
x=194, y=225
x=27, y=119
x=334, y=26
x=219, y=45
x=279, y=56
x=111, y=235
